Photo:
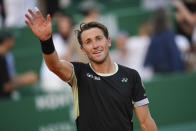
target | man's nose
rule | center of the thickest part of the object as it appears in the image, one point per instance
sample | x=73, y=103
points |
x=95, y=44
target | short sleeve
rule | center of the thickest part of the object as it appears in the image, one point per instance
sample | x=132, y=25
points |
x=78, y=66
x=139, y=93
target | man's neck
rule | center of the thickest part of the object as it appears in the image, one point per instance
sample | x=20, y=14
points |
x=105, y=67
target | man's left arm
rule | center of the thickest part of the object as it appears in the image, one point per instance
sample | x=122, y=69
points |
x=145, y=119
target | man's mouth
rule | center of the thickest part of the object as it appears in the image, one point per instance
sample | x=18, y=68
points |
x=97, y=52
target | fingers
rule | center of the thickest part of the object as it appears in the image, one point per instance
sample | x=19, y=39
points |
x=35, y=19
x=28, y=24
x=32, y=14
x=39, y=14
x=48, y=19
x=29, y=18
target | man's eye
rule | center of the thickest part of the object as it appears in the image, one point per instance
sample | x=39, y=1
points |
x=87, y=42
x=99, y=38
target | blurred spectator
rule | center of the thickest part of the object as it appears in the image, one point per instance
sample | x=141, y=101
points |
x=183, y=45
x=91, y=9
x=121, y=53
x=15, y=10
x=3, y=13
x=8, y=80
x=186, y=19
x=163, y=54
x=131, y=51
x=52, y=6
x=49, y=81
x=155, y=4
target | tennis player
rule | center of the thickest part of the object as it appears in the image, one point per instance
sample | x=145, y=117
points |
x=105, y=93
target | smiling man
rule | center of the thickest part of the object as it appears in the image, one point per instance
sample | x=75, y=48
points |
x=105, y=93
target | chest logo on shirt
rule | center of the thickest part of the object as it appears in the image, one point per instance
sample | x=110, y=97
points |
x=93, y=76
x=124, y=80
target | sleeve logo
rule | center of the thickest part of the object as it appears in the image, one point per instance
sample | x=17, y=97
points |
x=124, y=80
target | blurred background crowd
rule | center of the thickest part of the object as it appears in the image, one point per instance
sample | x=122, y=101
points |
x=155, y=37
x=151, y=36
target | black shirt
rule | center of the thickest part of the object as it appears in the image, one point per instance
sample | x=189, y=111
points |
x=105, y=102
x=4, y=76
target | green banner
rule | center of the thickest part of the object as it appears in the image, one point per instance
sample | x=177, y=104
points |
x=47, y=112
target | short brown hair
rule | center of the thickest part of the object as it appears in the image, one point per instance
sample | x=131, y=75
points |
x=87, y=26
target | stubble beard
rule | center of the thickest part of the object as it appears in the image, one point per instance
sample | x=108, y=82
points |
x=101, y=61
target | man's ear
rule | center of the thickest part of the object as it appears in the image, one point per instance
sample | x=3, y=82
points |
x=109, y=42
x=83, y=50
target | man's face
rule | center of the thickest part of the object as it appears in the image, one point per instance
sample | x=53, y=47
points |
x=95, y=45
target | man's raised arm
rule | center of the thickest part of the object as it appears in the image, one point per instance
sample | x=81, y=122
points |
x=43, y=30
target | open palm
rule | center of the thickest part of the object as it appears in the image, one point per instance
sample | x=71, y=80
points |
x=40, y=27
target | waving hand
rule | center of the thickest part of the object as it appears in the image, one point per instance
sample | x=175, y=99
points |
x=40, y=27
